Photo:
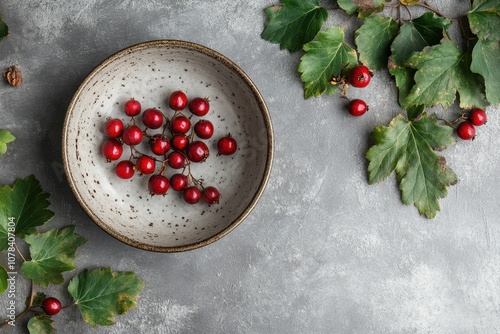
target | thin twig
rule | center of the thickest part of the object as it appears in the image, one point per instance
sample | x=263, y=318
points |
x=425, y=5
x=409, y=13
x=400, y=18
x=19, y=252
x=347, y=21
x=32, y=294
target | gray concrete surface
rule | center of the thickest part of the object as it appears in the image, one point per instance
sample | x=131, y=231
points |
x=323, y=252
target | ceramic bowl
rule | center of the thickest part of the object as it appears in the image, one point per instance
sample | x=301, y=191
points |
x=150, y=72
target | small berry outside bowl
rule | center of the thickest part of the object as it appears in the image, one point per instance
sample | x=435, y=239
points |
x=149, y=72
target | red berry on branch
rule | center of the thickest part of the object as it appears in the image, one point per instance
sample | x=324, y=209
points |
x=132, y=135
x=191, y=195
x=51, y=306
x=466, y=131
x=210, y=195
x=477, y=117
x=145, y=164
x=178, y=182
x=197, y=151
x=152, y=118
x=177, y=100
x=199, y=106
x=158, y=184
x=227, y=145
x=360, y=76
x=357, y=107
x=176, y=160
x=112, y=149
x=132, y=108
x=204, y=129
x=159, y=144
x=180, y=124
x=179, y=142
x=113, y=128
x=125, y=169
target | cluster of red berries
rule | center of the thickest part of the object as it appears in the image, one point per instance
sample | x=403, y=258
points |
x=359, y=77
x=173, y=146
x=466, y=130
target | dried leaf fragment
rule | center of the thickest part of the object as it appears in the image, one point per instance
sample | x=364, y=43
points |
x=13, y=76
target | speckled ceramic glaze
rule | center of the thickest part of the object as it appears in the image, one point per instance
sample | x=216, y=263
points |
x=150, y=72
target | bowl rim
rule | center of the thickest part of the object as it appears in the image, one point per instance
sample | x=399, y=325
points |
x=218, y=57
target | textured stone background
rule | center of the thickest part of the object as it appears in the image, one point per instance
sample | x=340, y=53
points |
x=323, y=252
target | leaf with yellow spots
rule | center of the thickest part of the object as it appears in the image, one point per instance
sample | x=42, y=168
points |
x=407, y=147
x=101, y=294
x=41, y=325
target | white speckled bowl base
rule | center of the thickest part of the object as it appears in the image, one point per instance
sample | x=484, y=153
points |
x=149, y=72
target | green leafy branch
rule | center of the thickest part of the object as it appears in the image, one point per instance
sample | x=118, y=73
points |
x=100, y=294
x=427, y=65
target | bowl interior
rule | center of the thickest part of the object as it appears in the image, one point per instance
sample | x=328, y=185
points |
x=150, y=72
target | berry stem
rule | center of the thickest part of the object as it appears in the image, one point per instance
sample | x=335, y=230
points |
x=191, y=135
x=163, y=166
x=192, y=181
x=455, y=121
x=166, y=126
x=140, y=153
x=67, y=306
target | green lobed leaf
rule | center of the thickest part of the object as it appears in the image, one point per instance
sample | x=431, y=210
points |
x=101, y=294
x=52, y=253
x=404, y=81
x=471, y=85
x=391, y=142
x=363, y=7
x=415, y=35
x=373, y=40
x=324, y=59
x=442, y=71
x=25, y=203
x=484, y=19
x=348, y=6
x=407, y=147
x=294, y=23
x=486, y=62
x=5, y=137
x=40, y=325
x=3, y=279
